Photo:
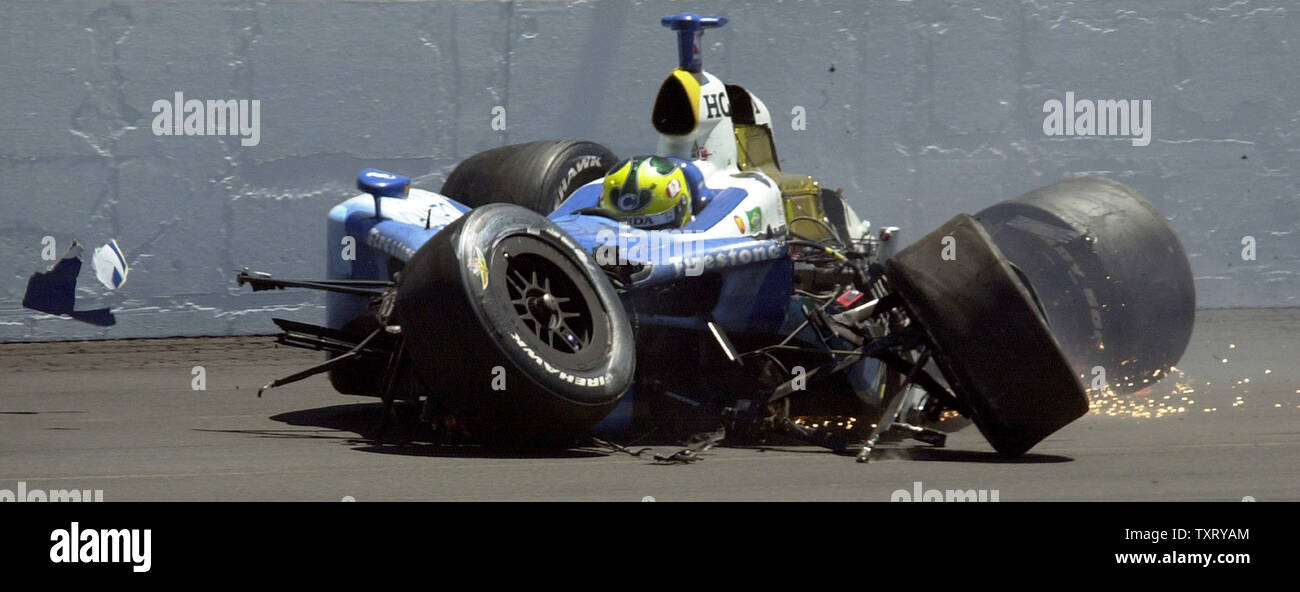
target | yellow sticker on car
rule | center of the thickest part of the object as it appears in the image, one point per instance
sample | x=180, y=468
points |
x=478, y=266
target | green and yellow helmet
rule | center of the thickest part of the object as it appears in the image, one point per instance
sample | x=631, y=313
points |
x=647, y=192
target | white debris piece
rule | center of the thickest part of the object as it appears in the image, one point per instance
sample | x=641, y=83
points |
x=110, y=265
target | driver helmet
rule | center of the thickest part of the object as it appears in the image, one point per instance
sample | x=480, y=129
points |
x=647, y=192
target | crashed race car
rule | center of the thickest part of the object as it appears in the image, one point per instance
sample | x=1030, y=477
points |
x=550, y=291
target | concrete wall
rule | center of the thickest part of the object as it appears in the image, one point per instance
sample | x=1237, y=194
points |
x=917, y=109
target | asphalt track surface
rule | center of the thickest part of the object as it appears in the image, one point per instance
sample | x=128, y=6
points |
x=122, y=416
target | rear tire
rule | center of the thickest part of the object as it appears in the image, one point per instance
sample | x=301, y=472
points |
x=1114, y=278
x=990, y=340
x=537, y=175
x=513, y=328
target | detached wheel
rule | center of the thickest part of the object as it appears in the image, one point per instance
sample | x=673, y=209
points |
x=537, y=175
x=1112, y=275
x=991, y=340
x=514, y=329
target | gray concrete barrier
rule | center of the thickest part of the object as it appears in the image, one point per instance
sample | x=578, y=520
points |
x=919, y=110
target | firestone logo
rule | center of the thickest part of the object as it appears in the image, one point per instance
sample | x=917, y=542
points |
x=629, y=245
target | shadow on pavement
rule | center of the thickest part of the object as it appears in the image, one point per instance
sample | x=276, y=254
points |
x=973, y=456
x=357, y=424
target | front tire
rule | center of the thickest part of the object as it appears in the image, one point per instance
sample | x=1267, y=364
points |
x=514, y=329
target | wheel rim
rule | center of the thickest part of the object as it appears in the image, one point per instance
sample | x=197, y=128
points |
x=537, y=287
x=549, y=302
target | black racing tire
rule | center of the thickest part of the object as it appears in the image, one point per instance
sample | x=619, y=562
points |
x=512, y=327
x=1114, y=278
x=537, y=175
x=990, y=339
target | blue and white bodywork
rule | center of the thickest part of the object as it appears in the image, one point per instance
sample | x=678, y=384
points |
x=729, y=272
x=737, y=235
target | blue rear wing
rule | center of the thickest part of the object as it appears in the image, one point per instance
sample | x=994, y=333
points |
x=690, y=30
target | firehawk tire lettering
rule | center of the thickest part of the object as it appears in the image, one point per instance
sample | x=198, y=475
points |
x=586, y=163
x=570, y=378
x=536, y=175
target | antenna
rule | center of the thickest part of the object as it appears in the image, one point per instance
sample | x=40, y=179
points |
x=690, y=29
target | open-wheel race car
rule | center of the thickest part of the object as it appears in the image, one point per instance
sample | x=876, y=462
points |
x=550, y=291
